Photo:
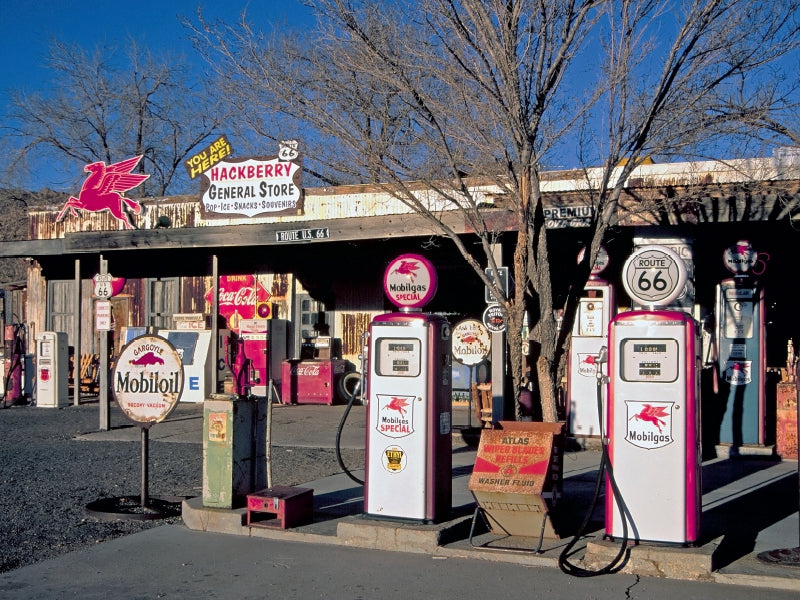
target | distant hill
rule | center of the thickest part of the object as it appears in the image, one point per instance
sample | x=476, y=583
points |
x=14, y=206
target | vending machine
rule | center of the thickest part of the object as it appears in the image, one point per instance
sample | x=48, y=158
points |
x=408, y=471
x=740, y=335
x=52, y=369
x=653, y=419
x=589, y=335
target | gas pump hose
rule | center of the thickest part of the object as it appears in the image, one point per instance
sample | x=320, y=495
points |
x=342, y=421
x=605, y=466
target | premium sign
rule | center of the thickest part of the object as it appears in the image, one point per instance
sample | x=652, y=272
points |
x=559, y=216
x=251, y=187
x=147, y=379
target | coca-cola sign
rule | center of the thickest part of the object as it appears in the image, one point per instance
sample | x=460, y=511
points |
x=239, y=297
x=306, y=370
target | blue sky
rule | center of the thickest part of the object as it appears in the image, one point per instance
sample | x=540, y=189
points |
x=27, y=26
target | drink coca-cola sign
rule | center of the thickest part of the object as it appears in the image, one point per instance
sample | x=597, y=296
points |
x=240, y=297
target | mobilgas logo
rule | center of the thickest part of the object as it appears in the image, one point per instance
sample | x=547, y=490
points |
x=649, y=424
x=395, y=415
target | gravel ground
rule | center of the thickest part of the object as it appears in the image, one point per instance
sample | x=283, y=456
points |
x=47, y=479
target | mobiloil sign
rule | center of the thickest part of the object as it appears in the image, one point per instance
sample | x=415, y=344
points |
x=148, y=379
x=408, y=473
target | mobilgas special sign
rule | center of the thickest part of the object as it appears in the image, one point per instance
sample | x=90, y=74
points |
x=252, y=187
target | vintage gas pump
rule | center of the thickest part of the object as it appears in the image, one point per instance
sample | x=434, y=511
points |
x=265, y=342
x=255, y=354
x=13, y=352
x=408, y=472
x=52, y=363
x=238, y=363
x=653, y=409
x=741, y=349
x=589, y=335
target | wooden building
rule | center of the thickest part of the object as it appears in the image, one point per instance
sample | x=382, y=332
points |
x=332, y=279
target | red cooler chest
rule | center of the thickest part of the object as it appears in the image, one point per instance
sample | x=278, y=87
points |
x=311, y=381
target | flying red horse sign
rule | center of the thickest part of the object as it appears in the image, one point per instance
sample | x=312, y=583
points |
x=103, y=190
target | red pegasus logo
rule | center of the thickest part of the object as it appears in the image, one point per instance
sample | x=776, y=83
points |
x=148, y=359
x=103, y=190
x=652, y=414
x=398, y=404
x=407, y=267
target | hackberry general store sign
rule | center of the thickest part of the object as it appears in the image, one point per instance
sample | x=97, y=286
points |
x=252, y=187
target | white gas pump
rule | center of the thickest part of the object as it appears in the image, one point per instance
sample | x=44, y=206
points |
x=741, y=349
x=589, y=335
x=653, y=417
x=52, y=369
x=408, y=472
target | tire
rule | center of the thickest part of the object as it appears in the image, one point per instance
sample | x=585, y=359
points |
x=349, y=385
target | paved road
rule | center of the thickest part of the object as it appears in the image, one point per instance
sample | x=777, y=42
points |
x=173, y=562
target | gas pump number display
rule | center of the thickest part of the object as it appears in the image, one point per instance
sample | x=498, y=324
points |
x=649, y=360
x=398, y=357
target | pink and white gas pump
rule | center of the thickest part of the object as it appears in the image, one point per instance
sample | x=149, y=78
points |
x=408, y=472
x=589, y=335
x=653, y=410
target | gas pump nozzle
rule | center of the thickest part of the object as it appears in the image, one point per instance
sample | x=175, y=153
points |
x=599, y=359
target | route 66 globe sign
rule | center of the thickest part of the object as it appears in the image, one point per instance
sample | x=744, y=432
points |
x=654, y=276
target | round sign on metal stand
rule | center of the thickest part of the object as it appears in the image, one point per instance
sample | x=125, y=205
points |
x=147, y=381
x=471, y=344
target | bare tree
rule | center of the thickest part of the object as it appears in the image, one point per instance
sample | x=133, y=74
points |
x=455, y=92
x=101, y=109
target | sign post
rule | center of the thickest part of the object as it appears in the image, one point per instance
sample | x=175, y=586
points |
x=148, y=383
